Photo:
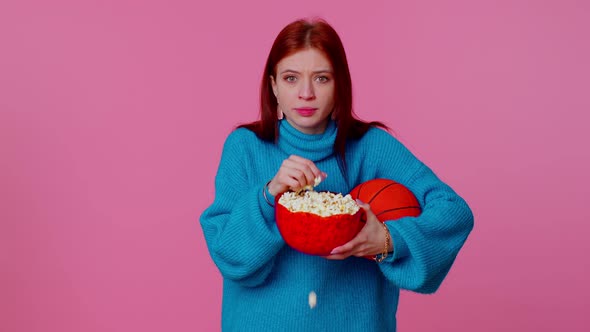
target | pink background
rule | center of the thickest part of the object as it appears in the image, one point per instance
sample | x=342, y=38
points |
x=113, y=115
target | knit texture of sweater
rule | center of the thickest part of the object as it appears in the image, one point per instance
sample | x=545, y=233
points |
x=266, y=283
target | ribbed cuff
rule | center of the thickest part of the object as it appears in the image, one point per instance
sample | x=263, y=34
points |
x=400, y=248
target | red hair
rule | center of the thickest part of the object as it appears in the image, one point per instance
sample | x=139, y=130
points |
x=297, y=36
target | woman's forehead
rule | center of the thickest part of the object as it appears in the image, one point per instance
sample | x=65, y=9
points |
x=309, y=59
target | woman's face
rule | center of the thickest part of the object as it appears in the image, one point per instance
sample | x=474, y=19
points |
x=304, y=88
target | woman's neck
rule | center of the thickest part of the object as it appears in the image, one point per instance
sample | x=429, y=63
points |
x=310, y=146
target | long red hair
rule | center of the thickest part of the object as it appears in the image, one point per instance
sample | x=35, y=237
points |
x=300, y=35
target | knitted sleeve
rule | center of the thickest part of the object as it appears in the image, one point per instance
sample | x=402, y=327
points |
x=239, y=226
x=426, y=246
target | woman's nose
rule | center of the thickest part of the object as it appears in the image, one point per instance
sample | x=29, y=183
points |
x=306, y=92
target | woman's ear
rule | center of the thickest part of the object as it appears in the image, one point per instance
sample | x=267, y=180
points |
x=273, y=83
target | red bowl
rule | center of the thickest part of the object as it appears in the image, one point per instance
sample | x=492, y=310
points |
x=313, y=234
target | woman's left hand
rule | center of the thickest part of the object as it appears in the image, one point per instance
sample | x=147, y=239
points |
x=368, y=242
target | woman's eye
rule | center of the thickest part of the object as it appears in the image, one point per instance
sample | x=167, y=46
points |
x=290, y=78
x=322, y=79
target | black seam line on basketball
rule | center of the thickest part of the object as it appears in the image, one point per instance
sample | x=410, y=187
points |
x=400, y=208
x=358, y=195
x=380, y=190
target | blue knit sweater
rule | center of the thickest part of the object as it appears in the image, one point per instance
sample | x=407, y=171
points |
x=266, y=283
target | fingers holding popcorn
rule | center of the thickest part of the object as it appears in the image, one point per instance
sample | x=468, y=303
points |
x=294, y=174
x=307, y=163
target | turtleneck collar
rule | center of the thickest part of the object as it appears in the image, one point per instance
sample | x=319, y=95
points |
x=314, y=147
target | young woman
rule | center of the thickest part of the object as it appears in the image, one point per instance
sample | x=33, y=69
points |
x=307, y=129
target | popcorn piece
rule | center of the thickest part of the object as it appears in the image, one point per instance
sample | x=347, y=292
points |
x=310, y=187
x=317, y=181
x=312, y=298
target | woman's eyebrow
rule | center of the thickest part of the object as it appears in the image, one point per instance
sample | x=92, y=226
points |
x=319, y=71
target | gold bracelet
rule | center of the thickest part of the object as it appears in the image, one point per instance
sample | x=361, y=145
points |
x=381, y=257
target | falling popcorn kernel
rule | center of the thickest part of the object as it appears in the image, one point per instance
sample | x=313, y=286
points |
x=312, y=299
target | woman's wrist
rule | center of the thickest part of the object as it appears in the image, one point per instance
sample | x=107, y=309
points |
x=266, y=190
x=387, y=246
x=390, y=245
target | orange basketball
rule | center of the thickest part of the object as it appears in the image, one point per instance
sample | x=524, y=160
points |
x=389, y=200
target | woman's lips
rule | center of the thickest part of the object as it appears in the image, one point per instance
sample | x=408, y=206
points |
x=306, y=111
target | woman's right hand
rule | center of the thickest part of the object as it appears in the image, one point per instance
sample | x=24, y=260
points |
x=295, y=173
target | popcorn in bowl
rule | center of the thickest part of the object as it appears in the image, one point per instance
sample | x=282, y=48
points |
x=321, y=203
x=317, y=222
